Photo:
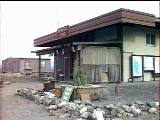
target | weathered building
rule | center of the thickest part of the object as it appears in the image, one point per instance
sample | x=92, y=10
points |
x=25, y=65
x=118, y=46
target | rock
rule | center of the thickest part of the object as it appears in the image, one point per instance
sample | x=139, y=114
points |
x=130, y=115
x=145, y=108
x=55, y=101
x=120, y=111
x=113, y=112
x=153, y=110
x=6, y=83
x=124, y=114
x=52, y=107
x=99, y=115
x=72, y=105
x=151, y=104
x=139, y=103
x=89, y=107
x=85, y=115
x=62, y=104
x=40, y=100
x=132, y=108
x=156, y=104
x=64, y=110
x=125, y=108
x=116, y=119
x=48, y=102
x=80, y=119
x=77, y=101
x=109, y=106
x=120, y=115
x=136, y=112
x=84, y=109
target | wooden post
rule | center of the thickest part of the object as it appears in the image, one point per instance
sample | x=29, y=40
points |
x=117, y=89
x=39, y=61
x=78, y=56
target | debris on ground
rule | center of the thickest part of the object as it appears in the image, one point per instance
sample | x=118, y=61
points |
x=85, y=110
x=6, y=83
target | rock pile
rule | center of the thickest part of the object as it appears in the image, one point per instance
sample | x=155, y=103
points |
x=85, y=110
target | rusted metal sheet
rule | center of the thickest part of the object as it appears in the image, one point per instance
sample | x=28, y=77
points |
x=17, y=65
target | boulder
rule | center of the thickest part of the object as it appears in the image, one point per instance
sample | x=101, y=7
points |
x=136, y=112
x=62, y=104
x=130, y=115
x=52, y=107
x=156, y=104
x=153, y=110
x=125, y=108
x=151, y=104
x=64, y=109
x=84, y=109
x=85, y=115
x=113, y=113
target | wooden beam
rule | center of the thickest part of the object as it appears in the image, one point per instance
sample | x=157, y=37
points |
x=39, y=65
x=96, y=43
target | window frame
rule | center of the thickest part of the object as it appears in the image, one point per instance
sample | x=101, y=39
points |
x=150, y=39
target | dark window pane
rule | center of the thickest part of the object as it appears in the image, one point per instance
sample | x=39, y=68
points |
x=59, y=63
x=153, y=41
x=147, y=38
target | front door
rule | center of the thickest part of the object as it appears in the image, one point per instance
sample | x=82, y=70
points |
x=67, y=68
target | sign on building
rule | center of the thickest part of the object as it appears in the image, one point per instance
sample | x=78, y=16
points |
x=148, y=63
x=157, y=65
x=136, y=66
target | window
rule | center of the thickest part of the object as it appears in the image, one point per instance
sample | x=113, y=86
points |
x=43, y=63
x=27, y=64
x=150, y=39
x=59, y=63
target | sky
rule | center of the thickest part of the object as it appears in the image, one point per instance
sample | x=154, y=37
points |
x=23, y=21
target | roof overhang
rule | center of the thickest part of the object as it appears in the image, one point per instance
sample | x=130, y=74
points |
x=53, y=49
x=117, y=16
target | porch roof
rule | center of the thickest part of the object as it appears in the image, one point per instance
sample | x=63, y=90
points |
x=52, y=49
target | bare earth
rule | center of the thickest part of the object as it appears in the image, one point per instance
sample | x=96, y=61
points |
x=15, y=107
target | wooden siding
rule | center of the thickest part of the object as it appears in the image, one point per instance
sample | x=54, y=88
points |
x=98, y=62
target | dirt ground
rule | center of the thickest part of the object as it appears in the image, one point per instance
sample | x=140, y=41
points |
x=15, y=107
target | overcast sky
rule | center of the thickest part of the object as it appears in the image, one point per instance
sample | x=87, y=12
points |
x=22, y=22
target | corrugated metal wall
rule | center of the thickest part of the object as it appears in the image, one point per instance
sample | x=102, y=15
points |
x=102, y=64
x=17, y=65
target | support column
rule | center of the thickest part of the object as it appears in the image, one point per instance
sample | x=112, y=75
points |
x=120, y=37
x=39, y=65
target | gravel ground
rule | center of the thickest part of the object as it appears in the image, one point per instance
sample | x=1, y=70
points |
x=14, y=107
x=130, y=92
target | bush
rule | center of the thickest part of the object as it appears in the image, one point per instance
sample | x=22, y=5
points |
x=79, y=75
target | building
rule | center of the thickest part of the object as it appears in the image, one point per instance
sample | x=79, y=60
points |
x=25, y=65
x=119, y=46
